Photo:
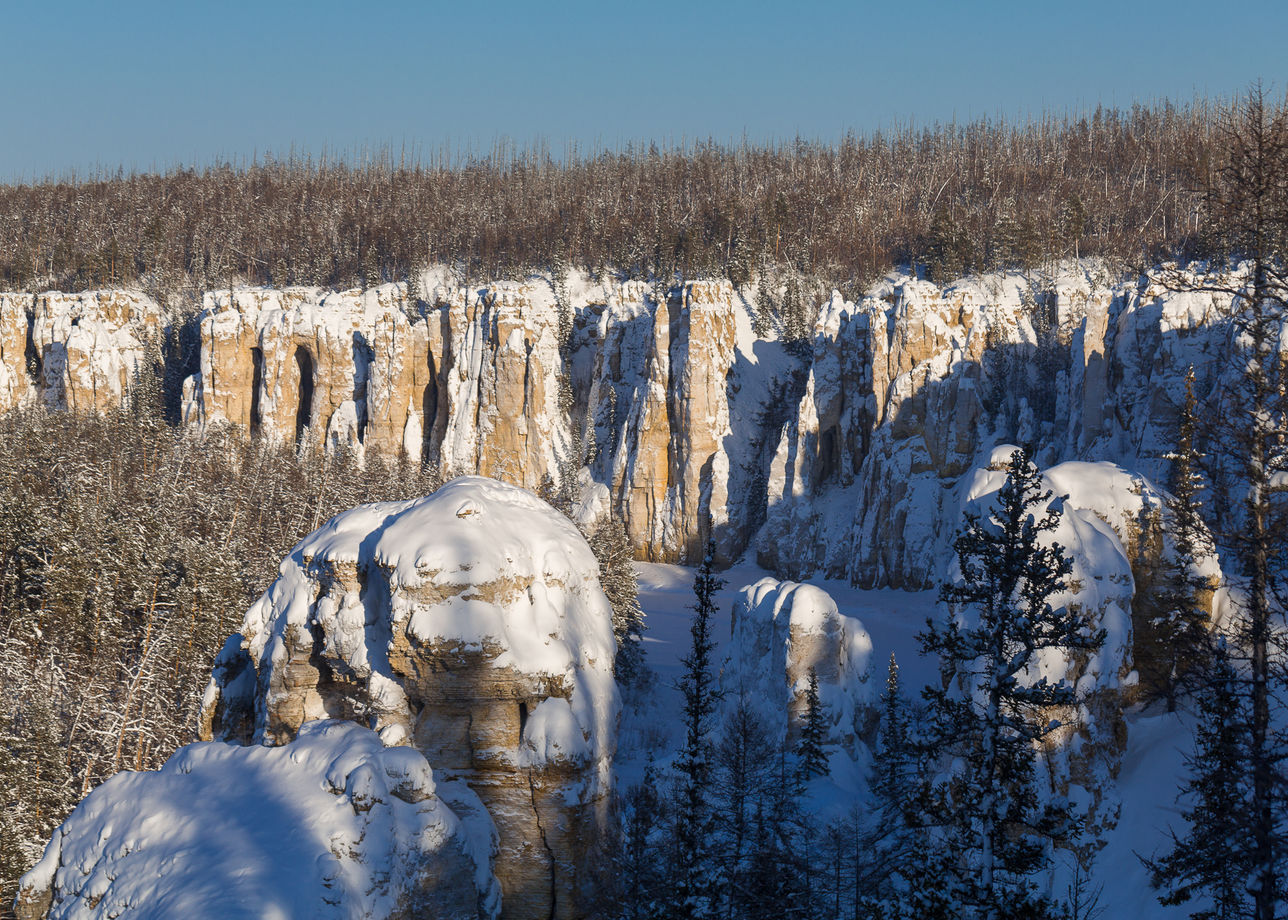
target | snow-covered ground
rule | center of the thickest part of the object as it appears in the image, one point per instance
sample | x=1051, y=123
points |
x=1152, y=770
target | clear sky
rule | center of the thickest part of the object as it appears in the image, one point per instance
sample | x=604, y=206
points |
x=145, y=84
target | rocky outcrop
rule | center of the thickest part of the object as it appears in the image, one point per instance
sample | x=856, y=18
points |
x=15, y=378
x=80, y=352
x=910, y=388
x=472, y=382
x=469, y=382
x=331, y=825
x=469, y=625
x=780, y=632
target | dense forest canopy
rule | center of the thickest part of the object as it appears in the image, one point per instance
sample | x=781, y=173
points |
x=1125, y=184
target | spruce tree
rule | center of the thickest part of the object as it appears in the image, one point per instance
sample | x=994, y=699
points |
x=639, y=861
x=895, y=767
x=612, y=547
x=1177, y=636
x=780, y=882
x=989, y=711
x=695, y=888
x=885, y=844
x=1211, y=859
x=810, y=752
x=744, y=780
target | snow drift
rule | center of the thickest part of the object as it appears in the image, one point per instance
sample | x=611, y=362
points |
x=332, y=825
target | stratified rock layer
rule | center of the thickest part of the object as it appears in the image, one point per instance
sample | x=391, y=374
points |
x=470, y=625
x=470, y=384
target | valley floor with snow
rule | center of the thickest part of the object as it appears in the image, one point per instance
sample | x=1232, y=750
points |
x=1152, y=769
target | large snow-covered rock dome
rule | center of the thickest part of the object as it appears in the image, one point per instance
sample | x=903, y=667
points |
x=417, y=719
x=471, y=625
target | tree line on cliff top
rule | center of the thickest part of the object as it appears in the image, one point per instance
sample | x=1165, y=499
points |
x=1123, y=184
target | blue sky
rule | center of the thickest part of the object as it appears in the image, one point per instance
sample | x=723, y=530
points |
x=144, y=84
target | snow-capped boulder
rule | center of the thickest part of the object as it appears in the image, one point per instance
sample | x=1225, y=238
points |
x=781, y=631
x=332, y=825
x=469, y=624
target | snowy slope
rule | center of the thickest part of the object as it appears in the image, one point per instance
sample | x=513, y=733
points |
x=1130, y=761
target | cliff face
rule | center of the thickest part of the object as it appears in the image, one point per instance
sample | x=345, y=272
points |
x=469, y=383
x=659, y=409
x=74, y=351
x=843, y=460
x=912, y=387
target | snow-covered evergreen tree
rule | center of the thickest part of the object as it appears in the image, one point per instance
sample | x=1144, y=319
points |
x=985, y=717
x=639, y=861
x=810, y=747
x=895, y=765
x=694, y=871
x=743, y=793
x=612, y=547
x=1211, y=859
x=1177, y=635
x=884, y=843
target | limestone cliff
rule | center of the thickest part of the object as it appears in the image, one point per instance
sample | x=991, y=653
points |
x=843, y=458
x=469, y=382
x=80, y=352
x=659, y=410
x=911, y=387
x=469, y=625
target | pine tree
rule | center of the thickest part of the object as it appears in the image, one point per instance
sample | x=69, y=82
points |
x=989, y=712
x=810, y=752
x=1177, y=632
x=695, y=893
x=1209, y=859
